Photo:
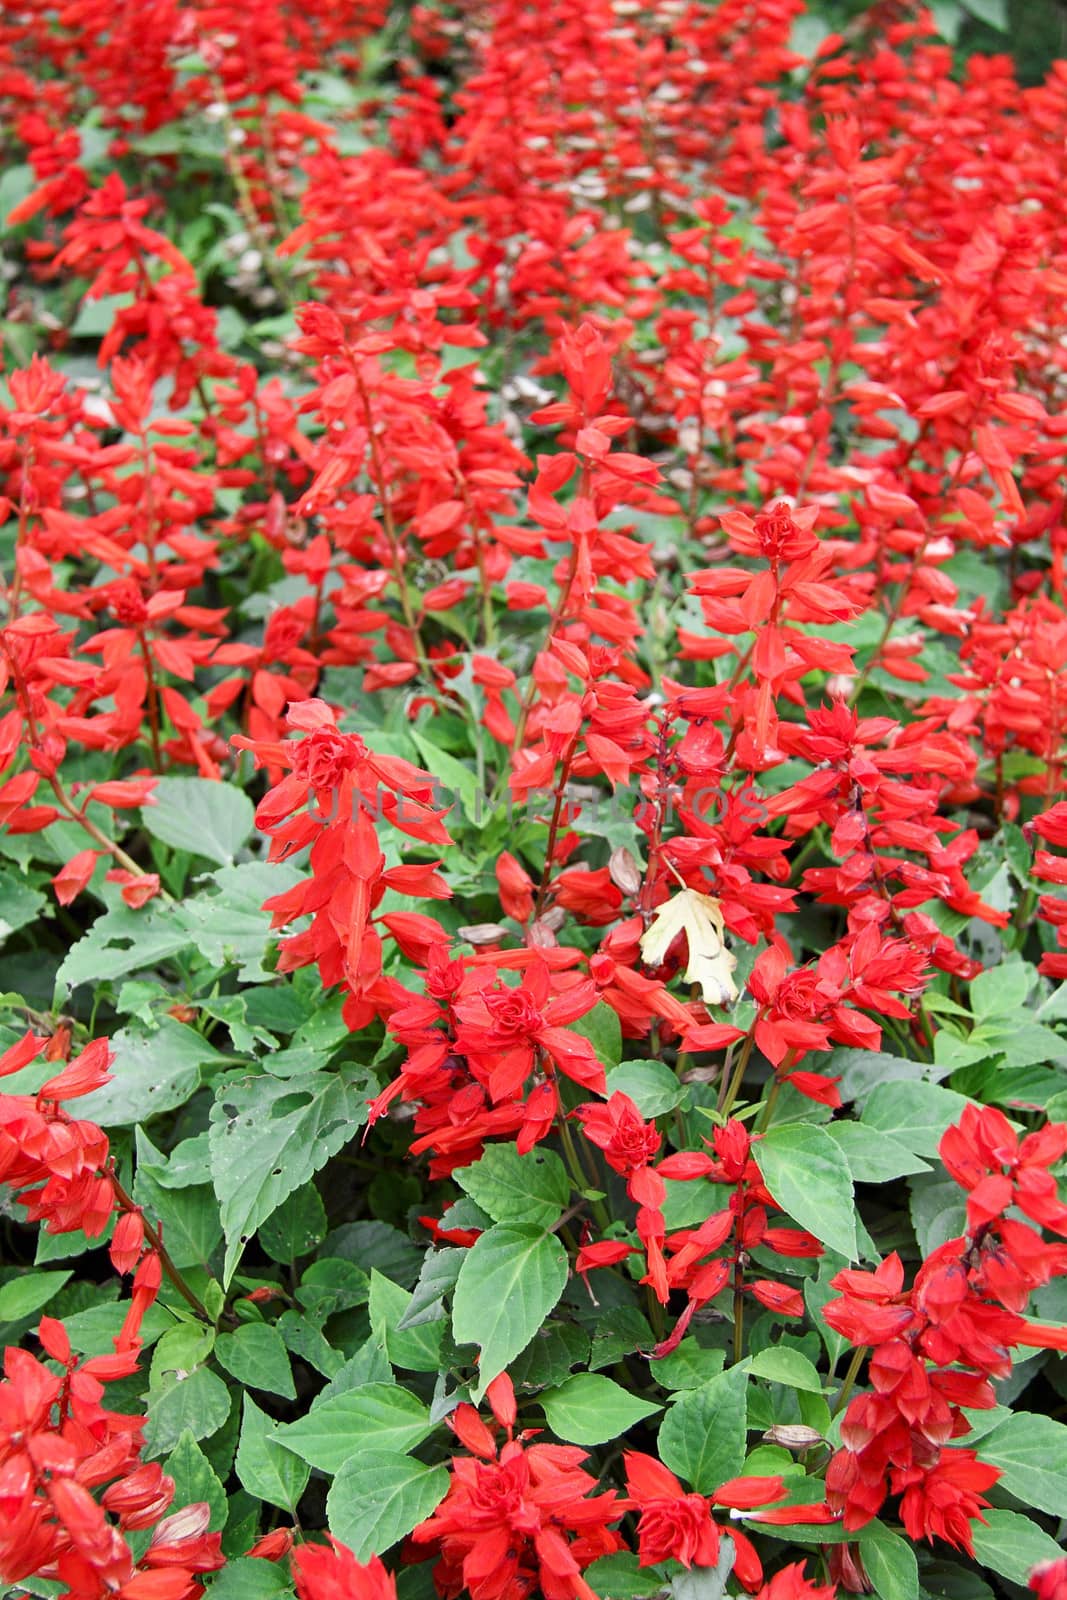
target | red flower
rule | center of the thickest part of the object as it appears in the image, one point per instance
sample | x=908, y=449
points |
x=674, y=1525
x=946, y=1499
x=519, y=1519
x=1049, y=1580
x=629, y=1143
x=331, y=1572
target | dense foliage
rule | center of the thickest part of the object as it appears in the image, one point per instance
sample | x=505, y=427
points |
x=532, y=867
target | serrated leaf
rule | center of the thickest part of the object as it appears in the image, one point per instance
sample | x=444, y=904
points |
x=874, y=1157
x=20, y=903
x=916, y=1114
x=93, y=1332
x=20, y=1297
x=416, y=1349
x=370, y=1364
x=510, y=1187
x=890, y=1563
x=198, y=1401
x=268, y=1136
x=803, y=1169
x=440, y=1269
x=298, y=1225
x=651, y=1085
x=602, y=1028
x=204, y=817
x=591, y=1409
x=265, y=1469
x=122, y=941
x=151, y=1073
x=375, y=1416
x=510, y=1281
x=256, y=1356
x=379, y=1496
x=1031, y=1451
x=779, y=1364
x=229, y=925
x=249, y=1578
x=702, y=1437
x=1012, y=1545
x=195, y=1480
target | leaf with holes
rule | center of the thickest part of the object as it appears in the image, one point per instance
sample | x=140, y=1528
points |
x=268, y=1136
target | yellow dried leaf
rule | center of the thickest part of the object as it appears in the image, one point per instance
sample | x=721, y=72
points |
x=710, y=963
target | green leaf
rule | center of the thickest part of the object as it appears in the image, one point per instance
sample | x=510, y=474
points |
x=1012, y=1545
x=591, y=1409
x=248, y=1578
x=651, y=1085
x=947, y=15
x=619, y=1577
x=370, y=1364
x=627, y=1330
x=874, y=1157
x=268, y=1136
x=379, y=1496
x=511, y=1187
x=1031, y=1451
x=416, y=1349
x=890, y=1563
x=195, y=1480
x=93, y=1332
x=803, y=1169
x=510, y=1281
x=440, y=1269
x=151, y=1073
x=688, y=1367
x=256, y=1356
x=229, y=926
x=779, y=1364
x=298, y=1225
x=20, y=1297
x=198, y=1401
x=202, y=816
x=916, y=1114
x=993, y=13
x=189, y=1213
x=702, y=1437
x=307, y=1341
x=550, y=1357
x=457, y=782
x=183, y=1346
x=266, y=1470
x=376, y=1244
x=602, y=1028
x=378, y=1416
x=20, y=904
x=330, y=1285
x=938, y=1208
x=124, y=941
x=705, y=1583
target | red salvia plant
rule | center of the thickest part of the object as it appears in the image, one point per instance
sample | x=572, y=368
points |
x=531, y=842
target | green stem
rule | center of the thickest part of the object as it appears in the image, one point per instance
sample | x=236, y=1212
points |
x=579, y=1176
x=739, y=1074
x=859, y=1355
x=768, y=1109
